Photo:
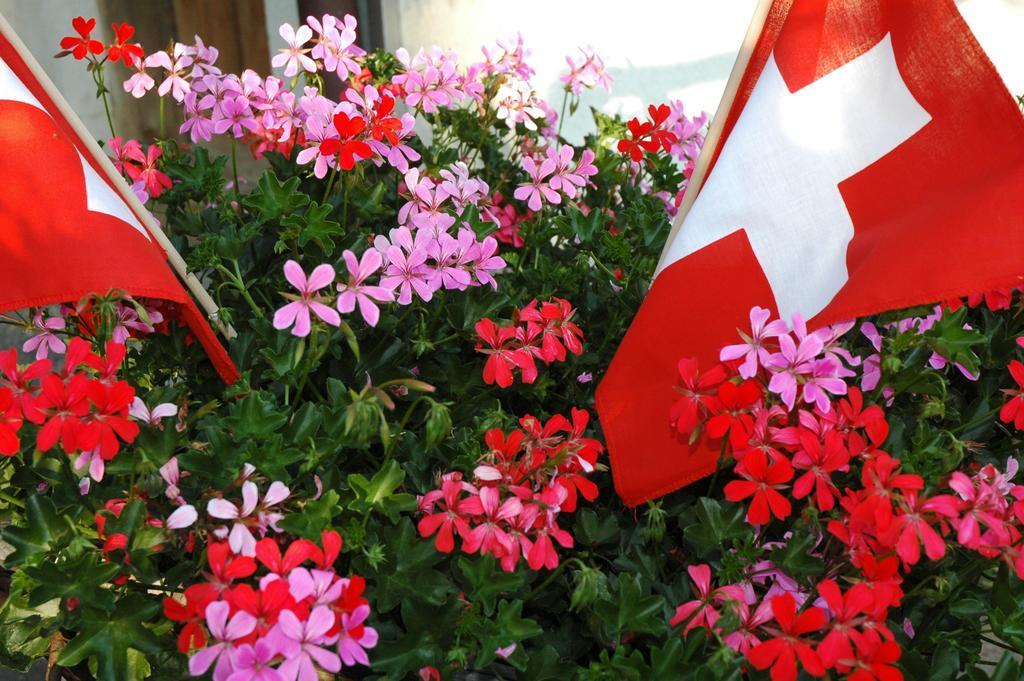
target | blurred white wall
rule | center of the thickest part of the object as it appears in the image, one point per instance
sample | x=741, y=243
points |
x=41, y=24
x=656, y=49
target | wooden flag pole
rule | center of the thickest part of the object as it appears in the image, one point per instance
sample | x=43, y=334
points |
x=700, y=169
x=197, y=289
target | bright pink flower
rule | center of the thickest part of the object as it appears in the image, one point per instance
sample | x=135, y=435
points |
x=225, y=633
x=490, y=536
x=355, y=638
x=449, y=518
x=46, y=340
x=791, y=365
x=303, y=644
x=297, y=312
x=701, y=611
x=537, y=190
x=753, y=348
x=253, y=662
x=154, y=181
x=355, y=290
x=588, y=73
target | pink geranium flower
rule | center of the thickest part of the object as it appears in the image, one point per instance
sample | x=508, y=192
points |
x=752, y=349
x=302, y=643
x=297, y=312
x=252, y=662
x=408, y=273
x=355, y=638
x=702, y=612
x=356, y=291
x=295, y=55
x=174, y=66
x=46, y=341
x=225, y=633
x=252, y=513
x=791, y=365
x=537, y=190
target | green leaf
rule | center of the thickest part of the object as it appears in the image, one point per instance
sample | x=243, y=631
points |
x=314, y=226
x=486, y=580
x=547, y=665
x=949, y=338
x=378, y=493
x=252, y=417
x=714, y=526
x=83, y=578
x=510, y=628
x=408, y=572
x=667, y=661
x=108, y=638
x=631, y=610
x=945, y=664
x=795, y=557
x=274, y=199
x=1008, y=669
x=46, y=528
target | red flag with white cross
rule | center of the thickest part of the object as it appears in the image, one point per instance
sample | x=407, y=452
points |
x=872, y=159
x=69, y=225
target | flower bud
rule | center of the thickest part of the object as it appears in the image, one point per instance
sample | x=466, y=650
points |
x=589, y=584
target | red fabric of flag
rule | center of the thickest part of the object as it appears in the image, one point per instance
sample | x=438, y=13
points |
x=872, y=160
x=65, y=230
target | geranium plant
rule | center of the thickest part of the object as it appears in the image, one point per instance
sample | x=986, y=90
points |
x=427, y=279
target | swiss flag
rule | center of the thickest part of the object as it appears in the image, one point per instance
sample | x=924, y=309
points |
x=65, y=228
x=872, y=160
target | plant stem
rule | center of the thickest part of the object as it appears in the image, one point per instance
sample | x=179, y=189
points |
x=561, y=116
x=162, y=131
x=235, y=279
x=401, y=427
x=12, y=500
x=97, y=76
x=234, y=162
x=718, y=468
x=330, y=184
x=1000, y=644
x=975, y=421
x=547, y=582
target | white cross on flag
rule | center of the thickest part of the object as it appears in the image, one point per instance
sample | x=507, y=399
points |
x=872, y=159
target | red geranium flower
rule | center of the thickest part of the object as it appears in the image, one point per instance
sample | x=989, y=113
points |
x=820, y=460
x=384, y=125
x=121, y=49
x=781, y=652
x=346, y=146
x=875, y=660
x=62, y=406
x=762, y=482
x=732, y=412
x=688, y=411
x=10, y=423
x=648, y=136
x=1013, y=410
x=192, y=612
x=504, y=357
x=81, y=45
x=453, y=516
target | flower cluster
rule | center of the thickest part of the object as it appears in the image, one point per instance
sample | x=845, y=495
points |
x=406, y=265
x=589, y=72
x=523, y=482
x=286, y=623
x=795, y=431
x=554, y=174
x=140, y=167
x=84, y=407
x=84, y=46
x=651, y=135
x=545, y=331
